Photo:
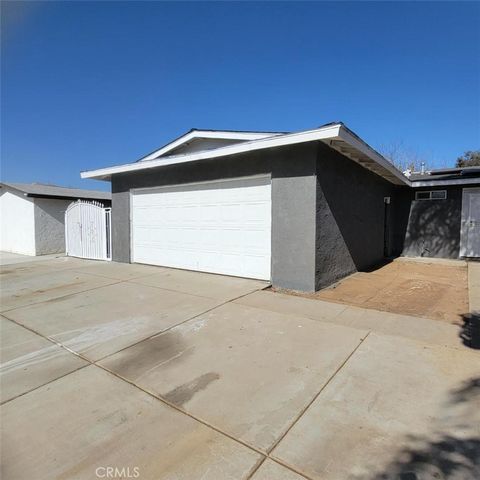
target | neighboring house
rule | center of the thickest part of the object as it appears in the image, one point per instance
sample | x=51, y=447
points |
x=440, y=215
x=32, y=216
x=300, y=209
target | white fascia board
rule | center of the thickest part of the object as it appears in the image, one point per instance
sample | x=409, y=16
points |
x=361, y=146
x=206, y=134
x=442, y=183
x=330, y=132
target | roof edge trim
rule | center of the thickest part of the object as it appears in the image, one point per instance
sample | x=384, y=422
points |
x=194, y=133
x=329, y=132
x=260, y=144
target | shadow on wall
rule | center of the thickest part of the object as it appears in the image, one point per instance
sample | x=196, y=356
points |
x=470, y=331
x=444, y=455
x=433, y=229
x=351, y=216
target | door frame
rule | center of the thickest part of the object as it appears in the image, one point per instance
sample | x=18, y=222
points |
x=132, y=191
x=465, y=220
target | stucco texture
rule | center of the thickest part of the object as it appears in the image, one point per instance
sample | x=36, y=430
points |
x=353, y=223
x=50, y=225
x=431, y=228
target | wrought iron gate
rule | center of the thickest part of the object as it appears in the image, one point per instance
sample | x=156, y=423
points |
x=88, y=230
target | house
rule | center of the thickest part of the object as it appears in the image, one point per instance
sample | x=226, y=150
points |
x=439, y=216
x=32, y=216
x=301, y=209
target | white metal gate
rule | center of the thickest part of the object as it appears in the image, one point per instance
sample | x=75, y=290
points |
x=88, y=230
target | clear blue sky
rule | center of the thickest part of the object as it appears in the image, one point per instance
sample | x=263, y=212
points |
x=86, y=85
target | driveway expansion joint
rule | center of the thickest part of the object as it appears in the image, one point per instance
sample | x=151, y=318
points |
x=61, y=297
x=264, y=454
x=161, y=332
x=324, y=386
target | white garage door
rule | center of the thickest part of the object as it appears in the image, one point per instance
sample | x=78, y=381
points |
x=220, y=227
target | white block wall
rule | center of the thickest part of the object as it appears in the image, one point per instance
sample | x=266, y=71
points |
x=17, y=224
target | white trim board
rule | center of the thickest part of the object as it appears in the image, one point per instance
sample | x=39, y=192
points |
x=214, y=134
x=216, y=180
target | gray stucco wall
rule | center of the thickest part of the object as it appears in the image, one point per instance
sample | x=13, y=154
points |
x=350, y=217
x=293, y=172
x=120, y=219
x=431, y=228
x=49, y=225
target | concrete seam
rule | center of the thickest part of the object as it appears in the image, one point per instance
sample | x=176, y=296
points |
x=136, y=281
x=111, y=278
x=309, y=404
x=76, y=269
x=157, y=397
x=256, y=467
x=161, y=332
x=299, y=315
x=200, y=420
x=61, y=297
x=44, y=384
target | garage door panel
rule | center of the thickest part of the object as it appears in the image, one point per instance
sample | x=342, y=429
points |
x=219, y=227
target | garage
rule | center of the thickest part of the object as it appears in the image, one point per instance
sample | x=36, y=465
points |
x=220, y=227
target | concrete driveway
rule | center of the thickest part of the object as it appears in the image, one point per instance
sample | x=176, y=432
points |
x=130, y=371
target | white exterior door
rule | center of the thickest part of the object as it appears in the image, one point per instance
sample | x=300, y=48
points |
x=470, y=237
x=219, y=227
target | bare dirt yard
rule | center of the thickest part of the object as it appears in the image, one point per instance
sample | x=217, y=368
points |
x=433, y=289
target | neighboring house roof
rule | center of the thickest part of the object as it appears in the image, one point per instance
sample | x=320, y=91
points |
x=446, y=176
x=336, y=135
x=53, y=191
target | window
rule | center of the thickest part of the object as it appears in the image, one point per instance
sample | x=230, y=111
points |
x=431, y=195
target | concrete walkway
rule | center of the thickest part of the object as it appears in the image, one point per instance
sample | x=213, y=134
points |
x=8, y=258
x=169, y=374
x=474, y=287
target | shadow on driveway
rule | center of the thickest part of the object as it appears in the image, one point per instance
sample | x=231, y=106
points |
x=446, y=456
x=470, y=331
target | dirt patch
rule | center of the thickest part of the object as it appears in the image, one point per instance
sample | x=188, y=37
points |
x=431, y=290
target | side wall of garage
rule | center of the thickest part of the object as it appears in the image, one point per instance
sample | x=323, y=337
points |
x=293, y=172
x=354, y=225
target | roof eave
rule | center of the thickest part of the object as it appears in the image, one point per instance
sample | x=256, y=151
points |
x=244, y=147
x=336, y=136
x=66, y=197
x=445, y=183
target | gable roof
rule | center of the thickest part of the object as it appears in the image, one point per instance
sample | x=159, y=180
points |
x=194, y=133
x=336, y=135
x=54, y=191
